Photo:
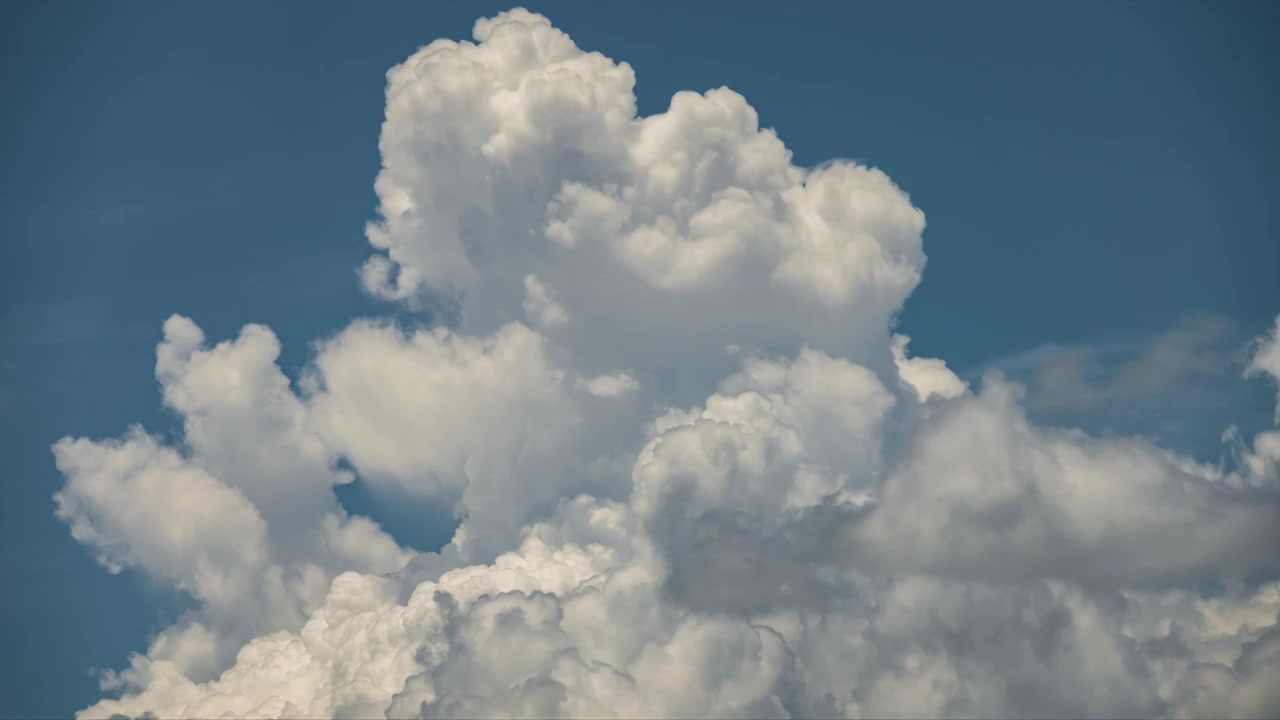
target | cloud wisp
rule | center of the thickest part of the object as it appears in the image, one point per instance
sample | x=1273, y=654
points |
x=1076, y=378
x=695, y=471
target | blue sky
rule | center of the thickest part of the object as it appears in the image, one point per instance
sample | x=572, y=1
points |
x=1092, y=174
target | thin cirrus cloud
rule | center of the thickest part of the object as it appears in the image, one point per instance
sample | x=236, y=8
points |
x=695, y=472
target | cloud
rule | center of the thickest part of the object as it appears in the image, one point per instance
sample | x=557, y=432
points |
x=1266, y=361
x=1067, y=380
x=540, y=307
x=628, y=240
x=985, y=493
x=695, y=472
x=929, y=377
x=1261, y=463
x=242, y=517
x=1180, y=387
x=610, y=385
x=1245, y=688
x=1072, y=378
x=1190, y=348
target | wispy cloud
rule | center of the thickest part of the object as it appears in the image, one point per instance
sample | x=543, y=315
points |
x=1063, y=377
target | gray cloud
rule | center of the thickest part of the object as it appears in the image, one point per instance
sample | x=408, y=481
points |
x=1077, y=377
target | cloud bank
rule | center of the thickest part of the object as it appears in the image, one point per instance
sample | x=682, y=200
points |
x=695, y=471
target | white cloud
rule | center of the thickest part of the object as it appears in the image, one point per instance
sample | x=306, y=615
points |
x=811, y=524
x=141, y=504
x=929, y=377
x=631, y=241
x=243, y=519
x=1266, y=361
x=540, y=305
x=984, y=492
x=432, y=410
x=1261, y=463
x=243, y=424
x=778, y=439
x=613, y=385
x=489, y=424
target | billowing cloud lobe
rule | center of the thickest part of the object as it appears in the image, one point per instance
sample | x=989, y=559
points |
x=695, y=471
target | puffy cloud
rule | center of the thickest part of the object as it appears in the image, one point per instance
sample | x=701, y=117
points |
x=984, y=491
x=243, y=424
x=139, y=504
x=243, y=519
x=1245, y=688
x=490, y=424
x=1266, y=361
x=929, y=377
x=695, y=472
x=1260, y=465
x=518, y=180
x=780, y=440
x=573, y=625
x=431, y=410
x=361, y=648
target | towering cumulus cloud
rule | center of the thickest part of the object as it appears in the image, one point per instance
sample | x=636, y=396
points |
x=695, y=472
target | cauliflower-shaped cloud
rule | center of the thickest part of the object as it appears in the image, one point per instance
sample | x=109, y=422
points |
x=695, y=471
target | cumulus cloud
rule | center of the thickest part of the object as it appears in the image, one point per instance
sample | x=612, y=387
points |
x=983, y=491
x=929, y=377
x=695, y=471
x=241, y=517
x=1266, y=361
x=1261, y=463
x=518, y=181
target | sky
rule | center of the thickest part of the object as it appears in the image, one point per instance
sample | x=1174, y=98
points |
x=1098, y=182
